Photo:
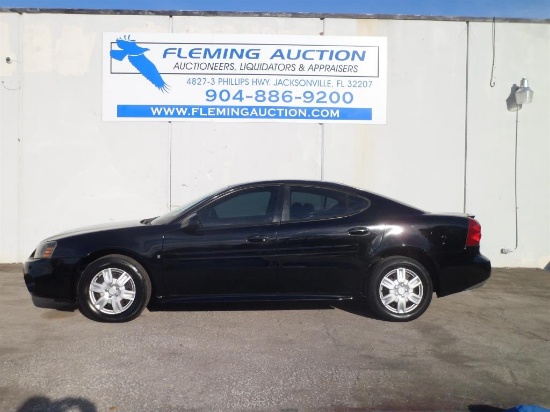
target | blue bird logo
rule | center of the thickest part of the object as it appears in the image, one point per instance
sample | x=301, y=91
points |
x=136, y=57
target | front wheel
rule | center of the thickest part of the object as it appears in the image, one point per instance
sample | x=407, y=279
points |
x=114, y=288
x=399, y=289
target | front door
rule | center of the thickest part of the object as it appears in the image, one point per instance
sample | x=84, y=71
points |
x=233, y=249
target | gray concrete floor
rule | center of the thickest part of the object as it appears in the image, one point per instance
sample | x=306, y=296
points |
x=479, y=350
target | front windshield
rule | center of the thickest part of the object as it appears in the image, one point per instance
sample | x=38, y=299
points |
x=167, y=217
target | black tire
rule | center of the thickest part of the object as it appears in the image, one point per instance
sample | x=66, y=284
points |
x=406, y=286
x=114, y=288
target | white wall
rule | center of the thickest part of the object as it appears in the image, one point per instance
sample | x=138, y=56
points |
x=10, y=135
x=62, y=167
x=522, y=50
x=73, y=169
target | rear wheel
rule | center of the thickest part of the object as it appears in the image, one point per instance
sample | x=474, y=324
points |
x=399, y=289
x=114, y=288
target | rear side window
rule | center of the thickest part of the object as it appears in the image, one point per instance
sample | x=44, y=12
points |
x=357, y=204
x=311, y=203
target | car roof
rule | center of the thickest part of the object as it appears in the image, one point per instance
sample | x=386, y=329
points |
x=333, y=185
x=318, y=183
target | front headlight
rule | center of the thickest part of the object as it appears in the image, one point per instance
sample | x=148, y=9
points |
x=45, y=250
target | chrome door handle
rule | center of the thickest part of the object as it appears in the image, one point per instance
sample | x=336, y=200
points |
x=257, y=238
x=359, y=231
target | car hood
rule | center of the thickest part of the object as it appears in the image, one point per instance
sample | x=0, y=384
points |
x=96, y=228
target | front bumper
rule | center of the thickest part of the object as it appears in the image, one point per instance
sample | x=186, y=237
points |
x=53, y=279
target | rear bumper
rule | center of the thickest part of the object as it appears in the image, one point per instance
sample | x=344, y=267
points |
x=51, y=279
x=462, y=274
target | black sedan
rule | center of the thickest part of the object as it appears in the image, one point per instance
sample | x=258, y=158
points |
x=275, y=240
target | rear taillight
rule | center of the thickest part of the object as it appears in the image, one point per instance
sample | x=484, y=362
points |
x=474, y=233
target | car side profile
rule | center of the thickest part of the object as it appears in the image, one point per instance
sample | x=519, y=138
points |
x=271, y=240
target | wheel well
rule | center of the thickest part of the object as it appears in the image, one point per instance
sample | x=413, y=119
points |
x=417, y=254
x=85, y=262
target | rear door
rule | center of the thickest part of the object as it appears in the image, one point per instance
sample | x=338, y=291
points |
x=323, y=241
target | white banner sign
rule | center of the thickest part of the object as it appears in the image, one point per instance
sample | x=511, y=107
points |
x=173, y=77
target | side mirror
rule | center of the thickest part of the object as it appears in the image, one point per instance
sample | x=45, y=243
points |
x=191, y=223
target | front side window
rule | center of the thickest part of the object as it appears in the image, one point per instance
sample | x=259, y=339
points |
x=252, y=206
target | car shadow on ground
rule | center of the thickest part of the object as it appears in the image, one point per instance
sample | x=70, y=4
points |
x=44, y=404
x=356, y=308
x=484, y=408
